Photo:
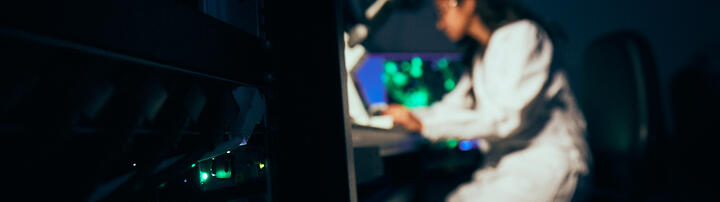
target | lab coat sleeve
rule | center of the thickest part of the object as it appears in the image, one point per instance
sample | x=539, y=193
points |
x=452, y=101
x=515, y=68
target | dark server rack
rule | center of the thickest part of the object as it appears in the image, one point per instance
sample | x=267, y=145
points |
x=173, y=100
x=133, y=101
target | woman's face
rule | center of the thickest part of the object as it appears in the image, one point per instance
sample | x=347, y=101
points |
x=454, y=18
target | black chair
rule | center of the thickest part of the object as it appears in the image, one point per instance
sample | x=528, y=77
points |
x=695, y=94
x=619, y=98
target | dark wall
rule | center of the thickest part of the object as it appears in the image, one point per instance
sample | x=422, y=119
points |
x=409, y=27
x=676, y=30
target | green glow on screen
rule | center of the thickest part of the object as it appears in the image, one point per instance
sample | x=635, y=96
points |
x=449, y=84
x=406, y=82
x=442, y=63
x=405, y=66
x=416, y=69
x=418, y=98
x=452, y=143
x=416, y=62
x=391, y=67
x=416, y=72
x=400, y=79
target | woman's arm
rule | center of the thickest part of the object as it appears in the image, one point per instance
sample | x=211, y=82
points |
x=515, y=68
x=457, y=98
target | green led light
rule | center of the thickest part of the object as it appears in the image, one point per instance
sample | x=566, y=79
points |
x=192, y=166
x=442, y=63
x=449, y=84
x=203, y=177
x=223, y=175
x=400, y=79
x=452, y=143
x=261, y=165
x=391, y=67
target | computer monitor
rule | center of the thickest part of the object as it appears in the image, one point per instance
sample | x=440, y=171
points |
x=411, y=79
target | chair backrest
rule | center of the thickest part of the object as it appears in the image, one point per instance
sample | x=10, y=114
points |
x=619, y=98
x=695, y=94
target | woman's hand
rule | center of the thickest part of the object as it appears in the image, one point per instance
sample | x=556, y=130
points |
x=402, y=116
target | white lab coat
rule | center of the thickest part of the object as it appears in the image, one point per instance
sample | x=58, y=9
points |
x=527, y=114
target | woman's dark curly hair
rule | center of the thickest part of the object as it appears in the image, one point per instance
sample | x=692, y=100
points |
x=494, y=14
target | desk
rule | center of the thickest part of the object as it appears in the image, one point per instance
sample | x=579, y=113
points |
x=371, y=145
x=412, y=166
x=389, y=142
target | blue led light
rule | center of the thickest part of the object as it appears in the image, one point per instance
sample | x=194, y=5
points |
x=466, y=145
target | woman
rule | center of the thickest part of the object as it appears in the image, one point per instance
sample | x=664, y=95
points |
x=511, y=99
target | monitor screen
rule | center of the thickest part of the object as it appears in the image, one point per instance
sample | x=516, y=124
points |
x=411, y=79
